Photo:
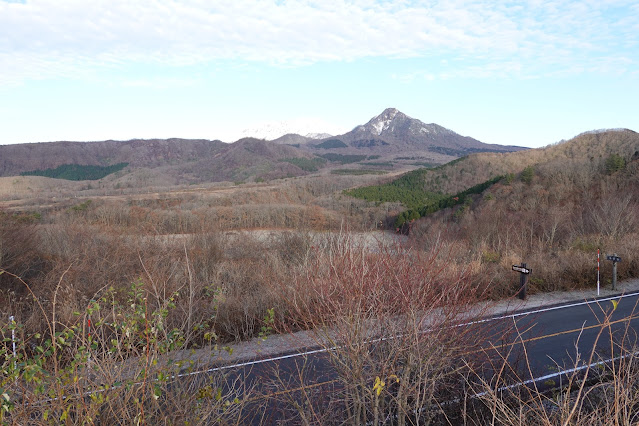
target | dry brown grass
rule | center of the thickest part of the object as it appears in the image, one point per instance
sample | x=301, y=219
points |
x=177, y=246
x=572, y=162
x=108, y=366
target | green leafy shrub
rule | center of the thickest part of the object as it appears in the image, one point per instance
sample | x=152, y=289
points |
x=614, y=163
x=110, y=367
x=81, y=206
x=527, y=175
x=508, y=178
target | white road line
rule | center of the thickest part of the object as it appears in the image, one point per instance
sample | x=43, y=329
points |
x=259, y=361
x=322, y=350
x=552, y=308
x=558, y=373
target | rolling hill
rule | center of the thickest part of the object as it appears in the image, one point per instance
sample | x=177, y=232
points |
x=389, y=141
x=567, y=169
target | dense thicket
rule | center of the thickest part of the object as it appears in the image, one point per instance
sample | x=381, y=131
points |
x=331, y=143
x=440, y=202
x=77, y=171
x=408, y=190
x=344, y=158
x=307, y=164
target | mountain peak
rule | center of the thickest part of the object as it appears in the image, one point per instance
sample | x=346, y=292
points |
x=385, y=121
x=393, y=131
x=388, y=114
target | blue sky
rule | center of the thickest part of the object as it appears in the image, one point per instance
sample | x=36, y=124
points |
x=515, y=72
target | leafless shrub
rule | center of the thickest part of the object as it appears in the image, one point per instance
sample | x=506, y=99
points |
x=615, y=215
x=386, y=320
x=110, y=367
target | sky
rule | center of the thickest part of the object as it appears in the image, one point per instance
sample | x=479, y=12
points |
x=526, y=73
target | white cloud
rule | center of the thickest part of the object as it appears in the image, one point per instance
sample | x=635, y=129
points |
x=73, y=38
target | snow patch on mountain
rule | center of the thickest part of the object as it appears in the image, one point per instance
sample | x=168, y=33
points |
x=383, y=121
x=380, y=126
x=310, y=127
x=318, y=135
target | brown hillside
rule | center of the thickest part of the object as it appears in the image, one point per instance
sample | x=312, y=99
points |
x=15, y=159
x=572, y=201
x=247, y=158
x=569, y=161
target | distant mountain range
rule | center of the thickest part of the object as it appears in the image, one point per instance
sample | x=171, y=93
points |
x=271, y=130
x=393, y=132
x=389, y=141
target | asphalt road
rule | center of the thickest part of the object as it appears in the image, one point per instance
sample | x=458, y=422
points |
x=538, y=345
x=546, y=345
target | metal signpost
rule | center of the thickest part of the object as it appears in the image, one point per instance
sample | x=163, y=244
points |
x=523, y=278
x=615, y=259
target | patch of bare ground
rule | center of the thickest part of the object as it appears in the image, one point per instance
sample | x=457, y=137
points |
x=28, y=187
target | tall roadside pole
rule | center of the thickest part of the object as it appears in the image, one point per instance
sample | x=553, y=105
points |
x=13, y=340
x=523, y=278
x=597, y=272
x=614, y=259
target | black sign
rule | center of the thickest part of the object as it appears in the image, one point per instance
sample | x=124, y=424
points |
x=614, y=258
x=521, y=269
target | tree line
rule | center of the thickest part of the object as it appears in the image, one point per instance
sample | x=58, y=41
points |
x=77, y=171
